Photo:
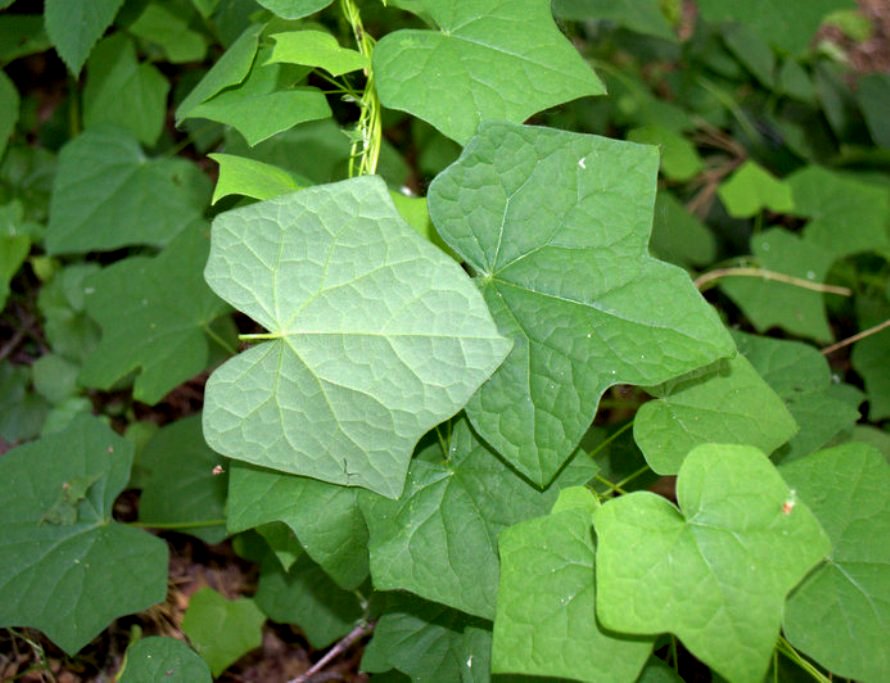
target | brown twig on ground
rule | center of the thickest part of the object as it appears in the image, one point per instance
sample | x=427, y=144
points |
x=764, y=274
x=856, y=337
x=342, y=646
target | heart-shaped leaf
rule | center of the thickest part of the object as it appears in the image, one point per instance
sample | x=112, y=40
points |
x=65, y=566
x=375, y=336
x=558, y=238
x=716, y=571
x=488, y=60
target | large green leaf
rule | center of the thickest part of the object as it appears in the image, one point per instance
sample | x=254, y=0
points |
x=122, y=92
x=161, y=333
x=788, y=26
x=840, y=615
x=488, y=59
x=771, y=303
x=429, y=642
x=729, y=403
x=556, y=227
x=108, y=194
x=65, y=566
x=375, y=336
x=439, y=540
x=163, y=659
x=325, y=517
x=716, y=571
x=181, y=484
x=74, y=27
x=546, y=621
x=846, y=215
x=642, y=16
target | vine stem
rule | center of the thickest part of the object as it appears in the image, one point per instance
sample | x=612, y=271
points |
x=342, y=646
x=764, y=274
x=788, y=650
x=369, y=130
x=856, y=337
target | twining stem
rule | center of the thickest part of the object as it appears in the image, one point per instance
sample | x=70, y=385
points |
x=369, y=130
x=614, y=435
x=788, y=650
x=856, y=337
x=764, y=274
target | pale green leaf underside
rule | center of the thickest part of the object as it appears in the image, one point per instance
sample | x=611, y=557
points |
x=74, y=27
x=546, y=620
x=840, y=615
x=729, y=404
x=558, y=236
x=375, y=336
x=490, y=59
x=716, y=571
x=65, y=567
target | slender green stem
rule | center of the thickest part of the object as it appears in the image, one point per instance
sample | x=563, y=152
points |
x=369, y=129
x=264, y=336
x=614, y=435
x=175, y=526
x=788, y=650
x=612, y=487
x=209, y=331
x=624, y=482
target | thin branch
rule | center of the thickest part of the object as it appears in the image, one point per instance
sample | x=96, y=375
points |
x=764, y=274
x=342, y=646
x=856, y=337
x=13, y=342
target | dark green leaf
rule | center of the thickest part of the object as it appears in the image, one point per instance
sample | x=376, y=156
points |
x=163, y=659
x=74, y=27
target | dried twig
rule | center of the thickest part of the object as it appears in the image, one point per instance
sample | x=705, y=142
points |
x=764, y=274
x=342, y=646
x=856, y=337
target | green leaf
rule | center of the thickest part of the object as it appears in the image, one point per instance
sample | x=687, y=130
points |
x=222, y=630
x=306, y=596
x=840, y=614
x=163, y=659
x=787, y=26
x=316, y=49
x=69, y=330
x=871, y=358
x=873, y=95
x=488, y=59
x=167, y=28
x=769, y=303
x=325, y=518
x=74, y=27
x=679, y=159
x=55, y=377
x=122, y=92
x=161, y=333
x=107, y=195
x=251, y=178
x=729, y=403
x=751, y=189
x=230, y=69
x=546, y=622
x=258, y=108
x=13, y=252
x=294, y=9
x=794, y=81
x=180, y=484
x=802, y=377
x=642, y=16
x=846, y=215
x=9, y=111
x=338, y=278
x=21, y=35
x=429, y=642
x=586, y=305
x=22, y=413
x=66, y=567
x=716, y=571
x=678, y=236
x=752, y=51
x=439, y=540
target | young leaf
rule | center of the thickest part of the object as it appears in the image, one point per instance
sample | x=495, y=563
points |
x=180, y=485
x=558, y=239
x=716, y=571
x=163, y=659
x=429, y=642
x=488, y=59
x=751, y=189
x=161, y=333
x=316, y=48
x=74, y=27
x=222, y=630
x=251, y=178
x=840, y=614
x=66, y=567
x=729, y=403
x=107, y=194
x=439, y=540
x=546, y=620
x=325, y=518
x=340, y=280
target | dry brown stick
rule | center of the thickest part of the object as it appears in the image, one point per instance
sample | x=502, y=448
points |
x=856, y=337
x=342, y=646
x=764, y=274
